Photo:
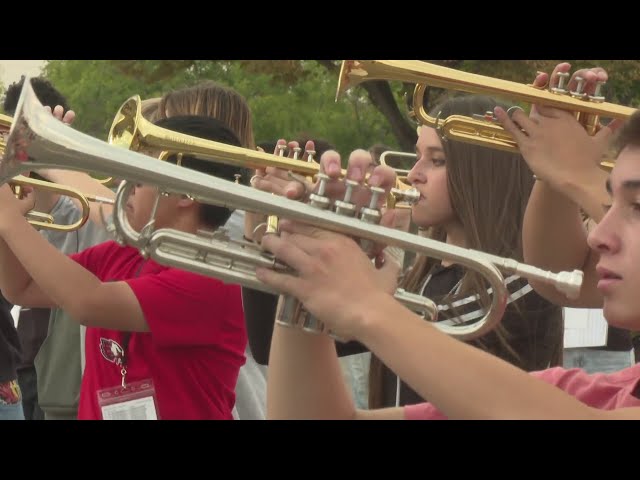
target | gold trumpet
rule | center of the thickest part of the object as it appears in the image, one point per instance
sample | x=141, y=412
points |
x=392, y=158
x=132, y=131
x=482, y=129
x=39, y=141
x=45, y=221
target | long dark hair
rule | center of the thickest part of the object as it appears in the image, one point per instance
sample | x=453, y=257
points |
x=489, y=190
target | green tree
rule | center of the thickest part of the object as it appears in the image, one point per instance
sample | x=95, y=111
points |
x=289, y=97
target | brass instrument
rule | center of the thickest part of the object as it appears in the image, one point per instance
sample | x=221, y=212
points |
x=43, y=220
x=401, y=172
x=132, y=131
x=46, y=221
x=5, y=124
x=481, y=130
x=37, y=140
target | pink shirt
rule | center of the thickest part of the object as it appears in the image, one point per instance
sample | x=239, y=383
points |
x=605, y=391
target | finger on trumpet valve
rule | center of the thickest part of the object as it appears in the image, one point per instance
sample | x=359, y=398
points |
x=320, y=200
x=371, y=213
x=346, y=206
x=310, y=155
x=597, y=95
x=281, y=150
x=562, y=78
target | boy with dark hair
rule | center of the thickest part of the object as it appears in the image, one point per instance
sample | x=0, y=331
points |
x=48, y=95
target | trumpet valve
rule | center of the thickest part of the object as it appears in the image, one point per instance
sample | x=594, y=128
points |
x=320, y=200
x=371, y=214
x=310, y=155
x=487, y=117
x=597, y=95
x=562, y=78
x=579, y=91
x=346, y=207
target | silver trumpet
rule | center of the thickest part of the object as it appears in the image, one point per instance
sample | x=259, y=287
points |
x=38, y=140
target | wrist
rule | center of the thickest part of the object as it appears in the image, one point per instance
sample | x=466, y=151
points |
x=372, y=319
x=7, y=220
x=587, y=189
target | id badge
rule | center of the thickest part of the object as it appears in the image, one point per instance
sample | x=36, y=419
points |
x=136, y=401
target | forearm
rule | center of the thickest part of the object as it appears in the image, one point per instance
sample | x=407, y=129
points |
x=554, y=238
x=67, y=284
x=86, y=185
x=589, y=192
x=462, y=381
x=305, y=380
x=259, y=313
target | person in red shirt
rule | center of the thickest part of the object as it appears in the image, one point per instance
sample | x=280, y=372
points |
x=161, y=342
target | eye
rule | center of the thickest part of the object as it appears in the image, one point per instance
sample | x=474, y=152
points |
x=439, y=162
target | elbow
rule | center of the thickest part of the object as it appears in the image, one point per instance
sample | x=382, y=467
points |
x=16, y=294
x=83, y=310
x=13, y=296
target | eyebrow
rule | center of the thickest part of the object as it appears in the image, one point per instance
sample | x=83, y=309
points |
x=626, y=185
x=431, y=149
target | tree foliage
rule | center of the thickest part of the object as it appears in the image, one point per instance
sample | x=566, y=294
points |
x=292, y=97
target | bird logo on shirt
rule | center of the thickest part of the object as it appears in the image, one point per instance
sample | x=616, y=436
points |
x=111, y=350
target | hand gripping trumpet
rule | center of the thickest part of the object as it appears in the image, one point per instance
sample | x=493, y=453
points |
x=482, y=129
x=38, y=140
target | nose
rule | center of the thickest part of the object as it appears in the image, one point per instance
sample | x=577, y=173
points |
x=417, y=174
x=604, y=237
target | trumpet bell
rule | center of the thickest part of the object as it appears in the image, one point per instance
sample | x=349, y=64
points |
x=124, y=128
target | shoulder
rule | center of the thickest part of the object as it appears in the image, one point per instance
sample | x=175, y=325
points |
x=108, y=253
x=111, y=247
x=195, y=284
x=575, y=379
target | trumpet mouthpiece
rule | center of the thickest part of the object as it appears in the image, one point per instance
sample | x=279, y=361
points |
x=570, y=283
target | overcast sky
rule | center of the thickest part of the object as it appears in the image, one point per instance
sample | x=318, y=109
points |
x=11, y=70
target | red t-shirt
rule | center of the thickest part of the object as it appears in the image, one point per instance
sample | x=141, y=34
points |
x=195, y=347
x=605, y=391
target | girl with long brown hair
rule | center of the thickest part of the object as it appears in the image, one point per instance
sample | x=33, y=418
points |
x=474, y=197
